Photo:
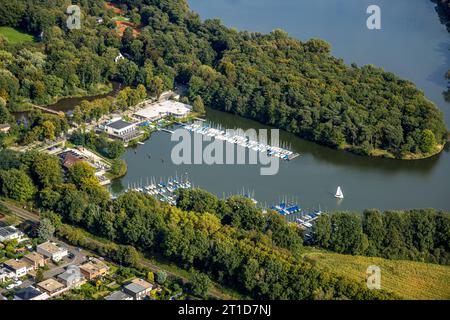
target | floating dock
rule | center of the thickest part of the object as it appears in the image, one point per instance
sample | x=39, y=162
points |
x=286, y=209
x=243, y=141
x=163, y=191
x=307, y=220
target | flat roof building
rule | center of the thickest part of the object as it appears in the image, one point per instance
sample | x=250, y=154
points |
x=10, y=233
x=121, y=129
x=35, y=259
x=138, y=289
x=51, y=287
x=94, y=269
x=52, y=251
x=158, y=110
x=19, y=267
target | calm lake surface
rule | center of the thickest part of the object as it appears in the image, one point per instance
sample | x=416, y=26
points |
x=412, y=43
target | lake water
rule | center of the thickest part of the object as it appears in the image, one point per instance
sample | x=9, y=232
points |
x=412, y=43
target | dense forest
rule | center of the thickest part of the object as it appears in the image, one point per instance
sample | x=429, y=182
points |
x=230, y=240
x=272, y=78
x=420, y=235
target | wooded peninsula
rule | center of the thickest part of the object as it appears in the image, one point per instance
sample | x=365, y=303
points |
x=272, y=78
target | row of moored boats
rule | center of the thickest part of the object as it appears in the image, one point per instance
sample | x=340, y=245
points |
x=241, y=140
x=164, y=191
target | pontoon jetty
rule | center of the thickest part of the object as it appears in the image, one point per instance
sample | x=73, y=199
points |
x=241, y=140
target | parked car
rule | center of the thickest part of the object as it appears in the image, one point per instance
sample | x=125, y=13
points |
x=11, y=286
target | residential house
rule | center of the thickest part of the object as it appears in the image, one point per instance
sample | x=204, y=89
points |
x=36, y=260
x=94, y=269
x=30, y=293
x=118, y=295
x=138, y=289
x=51, y=287
x=72, y=277
x=52, y=250
x=19, y=267
x=11, y=233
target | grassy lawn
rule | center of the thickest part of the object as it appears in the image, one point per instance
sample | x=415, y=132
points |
x=408, y=279
x=14, y=36
x=121, y=18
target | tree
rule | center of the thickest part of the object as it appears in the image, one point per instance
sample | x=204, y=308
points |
x=81, y=172
x=118, y=168
x=199, y=105
x=151, y=277
x=128, y=255
x=161, y=276
x=16, y=185
x=244, y=214
x=127, y=71
x=428, y=141
x=46, y=230
x=322, y=231
x=346, y=236
x=48, y=130
x=197, y=200
x=374, y=228
x=46, y=171
x=156, y=87
x=200, y=284
x=39, y=276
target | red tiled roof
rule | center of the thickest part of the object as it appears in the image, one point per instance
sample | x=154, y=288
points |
x=70, y=160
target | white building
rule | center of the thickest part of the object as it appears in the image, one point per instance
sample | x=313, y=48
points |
x=118, y=58
x=10, y=233
x=52, y=251
x=72, y=277
x=158, y=110
x=120, y=128
x=19, y=267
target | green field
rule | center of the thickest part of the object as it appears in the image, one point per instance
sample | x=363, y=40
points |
x=14, y=36
x=408, y=279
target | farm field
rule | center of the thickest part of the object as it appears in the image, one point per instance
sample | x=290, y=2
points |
x=15, y=36
x=408, y=279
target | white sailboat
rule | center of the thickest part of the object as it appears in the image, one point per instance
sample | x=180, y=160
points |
x=339, y=193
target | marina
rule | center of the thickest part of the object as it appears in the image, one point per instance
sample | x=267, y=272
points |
x=238, y=137
x=295, y=214
x=163, y=191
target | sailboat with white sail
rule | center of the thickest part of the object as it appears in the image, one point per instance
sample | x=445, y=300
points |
x=339, y=194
